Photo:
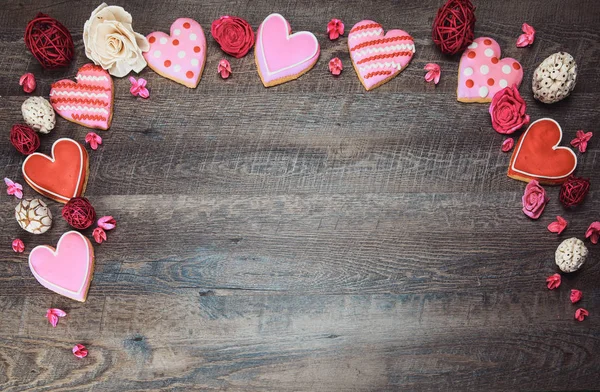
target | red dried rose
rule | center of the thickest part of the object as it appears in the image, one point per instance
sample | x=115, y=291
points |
x=233, y=34
x=508, y=111
x=534, y=200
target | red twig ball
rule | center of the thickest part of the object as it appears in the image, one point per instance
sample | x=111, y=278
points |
x=49, y=41
x=573, y=191
x=79, y=213
x=25, y=139
x=454, y=26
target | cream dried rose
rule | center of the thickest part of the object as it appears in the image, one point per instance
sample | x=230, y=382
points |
x=111, y=42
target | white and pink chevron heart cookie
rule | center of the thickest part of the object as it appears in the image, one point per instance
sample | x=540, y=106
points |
x=377, y=58
x=180, y=56
x=89, y=102
x=481, y=73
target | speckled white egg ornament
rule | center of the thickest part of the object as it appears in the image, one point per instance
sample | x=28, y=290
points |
x=33, y=216
x=571, y=255
x=38, y=114
x=554, y=78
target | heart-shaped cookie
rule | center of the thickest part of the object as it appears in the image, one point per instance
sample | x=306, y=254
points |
x=180, y=56
x=66, y=270
x=60, y=176
x=281, y=56
x=87, y=102
x=481, y=73
x=537, y=155
x=377, y=58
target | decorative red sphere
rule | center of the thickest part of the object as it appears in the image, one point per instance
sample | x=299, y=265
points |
x=79, y=213
x=24, y=139
x=49, y=41
x=573, y=191
x=454, y=26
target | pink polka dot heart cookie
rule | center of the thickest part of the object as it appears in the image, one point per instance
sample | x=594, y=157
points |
x=180, y=56
x=481, y=73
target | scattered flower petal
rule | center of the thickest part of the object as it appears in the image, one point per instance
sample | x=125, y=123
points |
x=28, y=82
x=581, y=140
x=107, y=222
x=553, y=281
x=93, y=139
x=138, y=87
x=335, y=66
x=80, y=351
x=224, y=68
x=13, y=188
x=593, y=232
x=534, y=200
x=558, y=226
x=576, y=296
x=433, y=74
x=99, y=235
x=581, y=314
x=53, y=315
x=335, y=28
x=508, y=144
x=527, y=37
x=18, y=246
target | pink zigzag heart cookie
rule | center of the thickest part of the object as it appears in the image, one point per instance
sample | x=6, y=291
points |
x=481, y=73
x=377, y=58
x=87, y=102
x=281, y=56
x=66, y=270
x=180, y=56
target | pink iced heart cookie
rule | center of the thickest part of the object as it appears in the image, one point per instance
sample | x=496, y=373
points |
x=89, y=102
x=66, y=270
x=377, y=58
x=281, y=56
x=481, y=73
x=180, y=56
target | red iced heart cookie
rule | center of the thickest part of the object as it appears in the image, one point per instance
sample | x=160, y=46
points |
x=377, y=58
x=66, y=270
x=61, y=176
x=481, y=73
x=537, y=155
x=89, y=102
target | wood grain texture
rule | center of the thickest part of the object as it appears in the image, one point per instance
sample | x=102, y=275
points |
x=310, y=236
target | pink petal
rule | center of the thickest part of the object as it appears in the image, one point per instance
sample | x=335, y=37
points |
x=18, y=246
x=80, y=351
x=553, y=281
x=527, y=29
x=224, y=68
x=99, y=235
x=523, y=41
x=93, y=139
x=508, y=144
x=53, y=315
x=8, y=181
x=558, y=226
x=107, y=222
x=335, y=66
x=593, y=232
x=575, y=296
x=335, y=28
x=581, y=314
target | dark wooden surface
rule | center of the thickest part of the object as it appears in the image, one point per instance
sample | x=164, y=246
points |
x=310, y=236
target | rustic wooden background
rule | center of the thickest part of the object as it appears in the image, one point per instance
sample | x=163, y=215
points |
x=310, y=236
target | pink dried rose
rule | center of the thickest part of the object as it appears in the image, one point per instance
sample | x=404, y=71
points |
x=138, y=87
x=527, y=37
x=581, y=314
x=13, y=188
x=80, y=351
x=553, y=281
x=433, y=74
x=93, y=139
x=508, y=144
x=18, y=246
x=581, y=140
x=107, y=222
x=224, y=68
x=99, y=235
x=28, y=82
x=575, y=296
x=534, y=200
x=335, y=66
x=335, y=28
x=558, y=226
x=508, y=111
x=593, y=232
x=53, y=314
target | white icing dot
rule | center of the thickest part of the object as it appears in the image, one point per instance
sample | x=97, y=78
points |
x=484, y=69
x=468, y=71
x=483, y=91
x=181, y=54
x=177, y=32
x=195, y=62
x=503, y=83
x=506, y=69
x=193, y=37
x=157, y=53
x=489, y=52
x=163, y=40
x=177, y=68
x=473, y=45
